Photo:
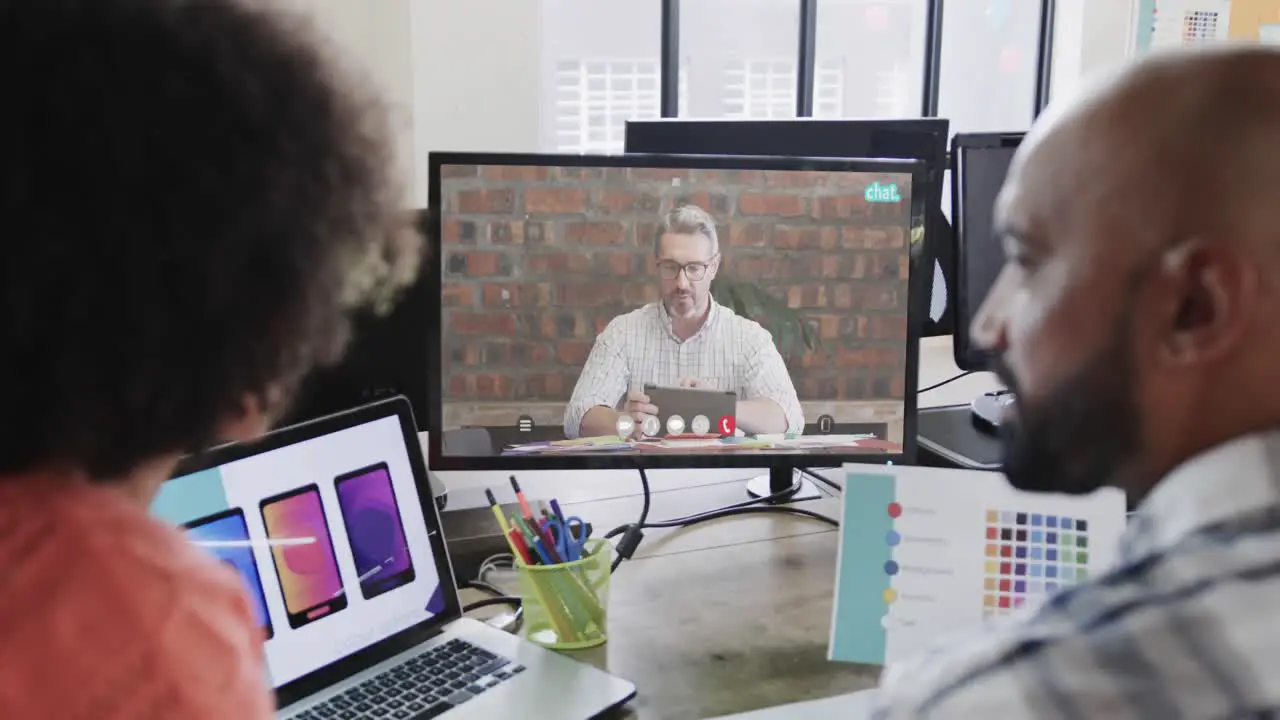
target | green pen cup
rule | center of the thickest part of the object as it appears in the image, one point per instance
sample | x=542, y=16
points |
x=566, y=606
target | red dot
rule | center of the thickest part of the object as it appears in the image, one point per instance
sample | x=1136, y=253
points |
x=894, y=510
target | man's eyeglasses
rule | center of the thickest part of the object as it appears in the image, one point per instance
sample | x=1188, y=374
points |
x=695, y=271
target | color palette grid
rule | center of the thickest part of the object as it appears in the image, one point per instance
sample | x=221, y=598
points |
x=1029, y=555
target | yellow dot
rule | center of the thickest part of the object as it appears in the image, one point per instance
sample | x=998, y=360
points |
x=890, y=595
x=993, y=516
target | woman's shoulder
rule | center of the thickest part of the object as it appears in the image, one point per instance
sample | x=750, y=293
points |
x=107, y=589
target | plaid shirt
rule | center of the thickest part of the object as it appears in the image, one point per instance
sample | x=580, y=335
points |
x=729, y=352
x=1178, y=629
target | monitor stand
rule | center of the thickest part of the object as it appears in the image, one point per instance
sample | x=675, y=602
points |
x=778, y=480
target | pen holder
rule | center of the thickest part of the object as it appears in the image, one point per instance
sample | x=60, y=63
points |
x=566, y=605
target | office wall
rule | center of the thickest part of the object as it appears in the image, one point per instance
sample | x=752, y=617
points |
x=477, y=84
x=1091, y=39
x=374, y=38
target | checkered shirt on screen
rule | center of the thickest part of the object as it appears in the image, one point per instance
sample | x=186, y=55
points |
x=640, y=348
x=1182, y=627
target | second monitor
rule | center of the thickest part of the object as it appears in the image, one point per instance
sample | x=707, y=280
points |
x=673, y=311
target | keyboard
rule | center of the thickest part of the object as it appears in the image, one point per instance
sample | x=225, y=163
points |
x=425, y=686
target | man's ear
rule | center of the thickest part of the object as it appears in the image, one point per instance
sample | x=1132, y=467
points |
x=1207, y=289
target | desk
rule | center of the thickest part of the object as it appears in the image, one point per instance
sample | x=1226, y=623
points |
x=731, y=615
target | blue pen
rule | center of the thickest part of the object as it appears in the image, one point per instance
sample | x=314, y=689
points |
x=555, y=508
x=542, y=551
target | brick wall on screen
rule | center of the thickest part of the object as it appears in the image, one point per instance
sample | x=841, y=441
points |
x=537, y=261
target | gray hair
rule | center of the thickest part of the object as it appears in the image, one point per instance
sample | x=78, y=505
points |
x=687, y=220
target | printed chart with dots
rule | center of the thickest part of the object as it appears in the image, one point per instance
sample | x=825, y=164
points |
x=926, y=553
x=1029, y=555
x=891, y=539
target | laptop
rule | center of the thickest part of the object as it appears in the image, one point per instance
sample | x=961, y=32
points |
x=332, y=528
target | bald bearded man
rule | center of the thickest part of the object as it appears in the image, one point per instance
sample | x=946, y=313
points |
x=1138, y=318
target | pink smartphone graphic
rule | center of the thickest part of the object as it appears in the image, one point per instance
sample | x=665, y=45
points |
x=302, y=550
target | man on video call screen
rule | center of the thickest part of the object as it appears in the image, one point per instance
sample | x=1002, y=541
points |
x=591, y=309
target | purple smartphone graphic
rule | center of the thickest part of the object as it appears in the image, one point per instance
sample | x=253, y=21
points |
x=374, y=529
x=302, y=549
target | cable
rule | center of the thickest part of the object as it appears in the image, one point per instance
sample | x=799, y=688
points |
x=503, y=561
x=730, y=512
x=631, y=534
x=508, y=600
x=500, y=597
x=821, y=478
x=948, y=381
x=483, y=586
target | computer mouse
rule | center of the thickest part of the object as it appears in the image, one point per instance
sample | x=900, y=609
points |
x=989, y=409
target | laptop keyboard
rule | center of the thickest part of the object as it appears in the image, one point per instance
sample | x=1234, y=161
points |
x=424, y=686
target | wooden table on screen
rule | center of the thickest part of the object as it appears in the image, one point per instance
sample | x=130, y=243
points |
x=731, y=615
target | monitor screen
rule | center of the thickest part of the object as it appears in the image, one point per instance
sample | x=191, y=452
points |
x=665, y=311
x=980, y=165
x=328, y=537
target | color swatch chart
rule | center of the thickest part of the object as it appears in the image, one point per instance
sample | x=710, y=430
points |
x=930, y=552
x=1029, y=555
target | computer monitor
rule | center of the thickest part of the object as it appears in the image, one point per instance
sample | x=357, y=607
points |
x=556, y=284
x=910, y=138
x=979, y=163
x=386, y=356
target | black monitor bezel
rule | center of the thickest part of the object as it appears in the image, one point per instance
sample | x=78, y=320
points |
x=397, y=406
x=920, y=269
x=966, y=357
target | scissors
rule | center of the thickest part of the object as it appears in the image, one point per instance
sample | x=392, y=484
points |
x=569, y=536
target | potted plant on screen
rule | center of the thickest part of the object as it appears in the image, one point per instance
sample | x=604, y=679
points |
x=792, y=332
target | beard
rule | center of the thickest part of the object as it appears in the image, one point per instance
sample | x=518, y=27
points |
x=681, y=303
x=1079, y=436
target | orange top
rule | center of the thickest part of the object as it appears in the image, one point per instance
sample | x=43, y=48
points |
x=106, y=613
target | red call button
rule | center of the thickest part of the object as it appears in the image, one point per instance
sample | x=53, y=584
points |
x=727, y=425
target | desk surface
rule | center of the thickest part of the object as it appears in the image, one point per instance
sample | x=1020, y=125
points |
x=731, y=615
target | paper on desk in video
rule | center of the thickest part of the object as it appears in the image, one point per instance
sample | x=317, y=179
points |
x=927, y=552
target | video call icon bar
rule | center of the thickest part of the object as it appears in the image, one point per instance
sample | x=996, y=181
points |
x=651, y=426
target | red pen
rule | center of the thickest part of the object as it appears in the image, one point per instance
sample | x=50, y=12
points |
x=524, y=504
x=517, y=541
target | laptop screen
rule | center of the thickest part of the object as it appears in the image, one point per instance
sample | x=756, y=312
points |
x=328, y=536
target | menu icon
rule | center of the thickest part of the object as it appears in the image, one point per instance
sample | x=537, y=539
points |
x=524, y=424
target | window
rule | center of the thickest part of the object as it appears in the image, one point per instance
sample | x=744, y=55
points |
x=989, y=51
x=600, y=68
x=739, y=58
x=760, y=89
x=870, y=58
x=594, y=99
x=828, y=89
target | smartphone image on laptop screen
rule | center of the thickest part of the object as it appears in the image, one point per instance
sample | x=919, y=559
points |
x=374, y=528
x=302, y=550
x=226, y=535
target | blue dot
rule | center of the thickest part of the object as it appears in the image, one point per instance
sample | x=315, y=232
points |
x=891, y=568
x=892, y=538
